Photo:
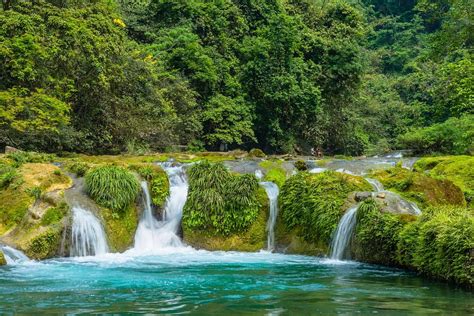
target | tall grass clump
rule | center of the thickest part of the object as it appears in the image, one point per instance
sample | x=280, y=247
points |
x=112, y=187
x=312, y=204
x=219, y=202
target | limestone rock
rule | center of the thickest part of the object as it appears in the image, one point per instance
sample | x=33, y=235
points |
x=10, y=149
x=362, y=196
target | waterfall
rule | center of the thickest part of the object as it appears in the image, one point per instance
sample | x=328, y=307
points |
x=88, y=235
x=272, y=193
x=13, y=255
x=378, y=187
x=153, y=235
x=344, y=232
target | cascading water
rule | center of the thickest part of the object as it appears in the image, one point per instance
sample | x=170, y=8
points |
x=272, y=193
x=378, y=187
x=13, y=255
x=153, y=235
x=344, y=232
x=88, y=235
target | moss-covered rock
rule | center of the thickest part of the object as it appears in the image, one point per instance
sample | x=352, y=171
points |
x=458, y=169
x=311, y=206
x=420, y=188
x=120, y=227
x=158, y=182
x=257, y=153
x=275, y=171
x=3, y=261
x=253, y=239
x=439, y=243
x=44, y=245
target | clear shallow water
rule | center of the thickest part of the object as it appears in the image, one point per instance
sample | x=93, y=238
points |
x=221, y=283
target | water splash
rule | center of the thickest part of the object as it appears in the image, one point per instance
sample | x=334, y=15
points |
x=259, y=174
x=88, y=235
x=152, y=235
x=344, y=232
x=376, y=185
x=13, y=256
x=272, y=193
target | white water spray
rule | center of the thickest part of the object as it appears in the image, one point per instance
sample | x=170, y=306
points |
x=272, y=193
x=153, y=235
x=88, y=235
x=13, y=256
x=344, y=232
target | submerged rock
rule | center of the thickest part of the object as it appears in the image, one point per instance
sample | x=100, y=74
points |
x=362, y=196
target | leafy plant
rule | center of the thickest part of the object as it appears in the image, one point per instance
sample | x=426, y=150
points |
x=219, y=202
x=112, y=187
x=79, y=168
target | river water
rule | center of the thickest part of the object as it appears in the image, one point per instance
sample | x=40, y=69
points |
x=221, y=283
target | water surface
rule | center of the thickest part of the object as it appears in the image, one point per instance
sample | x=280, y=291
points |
x=221, y=283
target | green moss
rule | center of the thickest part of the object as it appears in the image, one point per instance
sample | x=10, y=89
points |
x=15, y=203
x=419, y=187
x=3, y=261
x=54, y=214
x=376, y=235
x=120, y=227
x=256, y=152
x=21, y=157
x=45, y=245
x=157, y=180
x=220, y=202
x=312, y=204
x=274, y=172
x=458, y=169
x=440, y=244
x=301, y=165
x=112, y=187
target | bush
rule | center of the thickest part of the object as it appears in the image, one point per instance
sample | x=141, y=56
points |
x=112, y=187
x=440, y=244
x=21, y=157
x=313, y=203
x=7, y=175
x=219, y=202
x=376, y=234
x=301, y=165
x=454, y=136
x=78, y=168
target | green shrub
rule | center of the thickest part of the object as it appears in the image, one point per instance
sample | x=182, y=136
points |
x=78, y=168
x=441, y=244
x=112, y=187
x=7, y=175
x=45, y=245
x=157, y=180
x=313, y=203
x=301, y=165
x=219, y=202
x=22, y=157
x=454, y=136
x=34, y=192
x=376, y=235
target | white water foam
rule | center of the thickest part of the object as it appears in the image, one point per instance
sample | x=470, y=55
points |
x=88, y=235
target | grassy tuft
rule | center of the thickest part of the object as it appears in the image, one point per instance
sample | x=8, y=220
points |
x=112, y=187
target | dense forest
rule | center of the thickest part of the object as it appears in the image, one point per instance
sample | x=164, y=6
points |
x=351, y=77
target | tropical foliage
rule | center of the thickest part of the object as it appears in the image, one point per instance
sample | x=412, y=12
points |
x=220, y=202
x=112, y=187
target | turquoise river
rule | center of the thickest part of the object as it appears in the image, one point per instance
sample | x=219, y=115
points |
x=221, y=283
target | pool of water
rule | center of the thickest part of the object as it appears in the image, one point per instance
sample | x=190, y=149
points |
x=221, y=283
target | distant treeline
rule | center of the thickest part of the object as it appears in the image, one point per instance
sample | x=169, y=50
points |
x=349, y=77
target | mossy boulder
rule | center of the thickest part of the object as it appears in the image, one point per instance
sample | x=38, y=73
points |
x=439, y=243
x=158, y=182
x=311, y=206
x=224, y=210
x=3, y=261
x=458, y=169
x=120, y=227
x=253, y=239
x=420, y=188
x=256, y=153
x=275, y=171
